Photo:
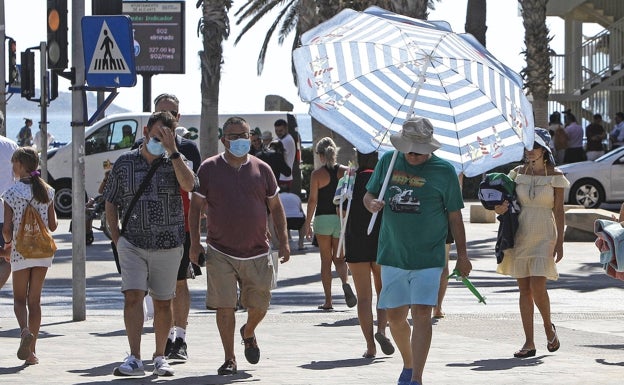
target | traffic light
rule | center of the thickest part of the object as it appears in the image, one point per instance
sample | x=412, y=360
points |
x=57, y=34
x=12, y=61
x=53, y=94
x=28, y=75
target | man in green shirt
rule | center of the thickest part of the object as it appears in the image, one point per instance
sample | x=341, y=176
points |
x=422, y=202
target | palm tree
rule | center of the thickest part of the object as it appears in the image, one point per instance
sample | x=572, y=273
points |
x=214, y=28
x=475, y=19
x=302, y=15
x=413, y=8
x=537, y=74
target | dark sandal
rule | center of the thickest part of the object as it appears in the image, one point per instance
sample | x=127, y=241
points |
x=554, y=344
x=525, y=353
x=326, y=308
x=350, y=297
x=228, y=368
x=368, y=355
x=24, y=348
x=384, y=343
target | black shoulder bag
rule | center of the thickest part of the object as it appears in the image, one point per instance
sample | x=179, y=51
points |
x=133, y=202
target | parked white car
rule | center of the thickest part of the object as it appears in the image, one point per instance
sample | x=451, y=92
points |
x=593, y=183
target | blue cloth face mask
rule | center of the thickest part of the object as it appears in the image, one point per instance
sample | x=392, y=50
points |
x=239, y=147
x=155, y=147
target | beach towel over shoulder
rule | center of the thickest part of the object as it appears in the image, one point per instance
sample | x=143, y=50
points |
x=610, y=243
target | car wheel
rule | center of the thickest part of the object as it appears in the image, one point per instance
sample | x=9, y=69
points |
x=587, y=193
x=63, y=199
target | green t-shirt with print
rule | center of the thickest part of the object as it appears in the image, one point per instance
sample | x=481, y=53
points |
x=415, y=216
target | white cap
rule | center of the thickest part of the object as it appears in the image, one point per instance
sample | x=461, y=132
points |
x=181, y=131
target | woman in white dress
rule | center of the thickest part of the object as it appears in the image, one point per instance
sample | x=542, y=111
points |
x=28, y=273
x=539, y=238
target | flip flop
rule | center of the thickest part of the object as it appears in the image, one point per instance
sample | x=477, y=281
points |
x=326, y=308
x=24, y=348
x=384, y=343
x=368, y=355
x=350, y=297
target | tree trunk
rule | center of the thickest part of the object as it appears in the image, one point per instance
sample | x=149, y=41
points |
x=537, y=73
x=215, y=28
x=476, y=19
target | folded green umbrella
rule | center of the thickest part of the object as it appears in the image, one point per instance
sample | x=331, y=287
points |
x=468, y=284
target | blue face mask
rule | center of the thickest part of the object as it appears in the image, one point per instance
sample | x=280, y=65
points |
x=155, y=147
x=239, y=147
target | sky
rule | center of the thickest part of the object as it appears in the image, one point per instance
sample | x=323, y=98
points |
x=241, y=90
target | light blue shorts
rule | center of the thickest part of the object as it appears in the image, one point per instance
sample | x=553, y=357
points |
x=327, y=225
x=408, y=287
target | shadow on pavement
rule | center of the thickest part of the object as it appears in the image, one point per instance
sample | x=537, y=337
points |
x=12, y=369
x=347, y=363
x=500, y=363
x=240, y=377
x=604, y=362
x=343, y=322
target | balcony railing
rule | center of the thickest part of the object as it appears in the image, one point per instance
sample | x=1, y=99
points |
x=601, y=57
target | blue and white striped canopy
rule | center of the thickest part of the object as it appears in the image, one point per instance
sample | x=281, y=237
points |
x=364, y=73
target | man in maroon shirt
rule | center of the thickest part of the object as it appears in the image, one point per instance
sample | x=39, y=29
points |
x=236, y=189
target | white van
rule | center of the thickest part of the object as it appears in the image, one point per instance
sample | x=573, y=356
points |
x=104, y=143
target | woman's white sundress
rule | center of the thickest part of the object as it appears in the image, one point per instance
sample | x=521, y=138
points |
x=17, y=197
x=534, y=243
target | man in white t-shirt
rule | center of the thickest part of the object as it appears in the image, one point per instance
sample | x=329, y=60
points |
x=290, y=150
x=37, y=141
x=7, y=148
x=295, y=217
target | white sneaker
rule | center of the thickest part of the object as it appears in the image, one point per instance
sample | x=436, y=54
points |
x=162, y=368
x=130, y=367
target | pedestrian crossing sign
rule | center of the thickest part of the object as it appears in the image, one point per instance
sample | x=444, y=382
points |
x=108, y=51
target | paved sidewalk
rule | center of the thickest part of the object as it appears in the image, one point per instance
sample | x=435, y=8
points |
x=301, y=345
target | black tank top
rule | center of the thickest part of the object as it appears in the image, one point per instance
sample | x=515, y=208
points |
x=325, y=204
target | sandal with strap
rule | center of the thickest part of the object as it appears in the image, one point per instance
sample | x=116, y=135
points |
x=23, y=352
x=32, y=359
x=368, y=355
x=228, y=368
x=525, y=353
x=553, y=344
x=384, y=343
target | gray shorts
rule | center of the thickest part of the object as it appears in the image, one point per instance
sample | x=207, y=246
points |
x=153, y=271
x=254, y=276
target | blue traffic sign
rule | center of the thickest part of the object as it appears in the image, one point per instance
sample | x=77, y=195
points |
x=108, y=51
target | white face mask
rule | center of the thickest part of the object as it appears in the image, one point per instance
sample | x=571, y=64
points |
x=239, y=147
x=155, y=147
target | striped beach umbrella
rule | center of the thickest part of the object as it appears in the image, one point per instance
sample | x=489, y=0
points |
x=364, y=73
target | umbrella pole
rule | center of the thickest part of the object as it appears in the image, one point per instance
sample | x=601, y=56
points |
x=348, y=193
x=343, y=228
x=384, y=186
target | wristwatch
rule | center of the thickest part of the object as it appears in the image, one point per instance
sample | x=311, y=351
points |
x=175, y=155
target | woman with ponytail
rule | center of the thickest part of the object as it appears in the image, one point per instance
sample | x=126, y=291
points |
x=28, y=273
x=326, y=225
